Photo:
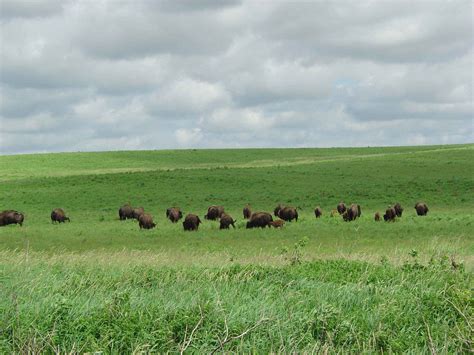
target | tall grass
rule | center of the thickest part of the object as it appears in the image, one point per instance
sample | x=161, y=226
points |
x=340, y=306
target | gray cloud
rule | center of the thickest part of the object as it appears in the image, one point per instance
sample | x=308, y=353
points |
x=147, y=75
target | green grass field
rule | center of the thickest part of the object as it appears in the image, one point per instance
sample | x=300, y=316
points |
x=101, y=284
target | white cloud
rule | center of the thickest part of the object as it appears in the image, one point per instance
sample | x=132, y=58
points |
x=188, y=137
x=127, y=75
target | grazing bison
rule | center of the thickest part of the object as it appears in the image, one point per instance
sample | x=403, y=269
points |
x=137, y=212
x=377, y=217
x=390, y=214
x=341, y=208
x=288, y=214
x=191, y=222
x=398, y=209
x=145, y=221
x=125, y=212
x=421, y=209
x=277, y=209
x=352, y=213
x=276, y=224
x=318, y=212
x=214, y=212
x=11, y=217
x=58, y=215
x=174, y=214
x=226, y=221
x=259, y=219
x=247, y=212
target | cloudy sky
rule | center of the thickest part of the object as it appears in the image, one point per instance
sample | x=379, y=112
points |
x=108, y=75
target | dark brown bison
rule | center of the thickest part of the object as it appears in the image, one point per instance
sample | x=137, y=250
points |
x=318, y=212
x=390, y=214
x=352, y=213
x=214, y=212
x=398, y=209
x=247, y=212
x=421, y=209
x=174, y=214
x=125, y=212
x=226, y=221
x=277, y=209
x=137, y=212
x=377, y=217
x=259, y=219
x=11, y=217
x=58, y=215
x=276, y=224
x=341, y=208
x=191, y=222
x=145, y=221
x=288, y=214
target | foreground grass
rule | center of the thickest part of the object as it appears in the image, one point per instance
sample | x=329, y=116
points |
x=100, y=284
x=51, y=306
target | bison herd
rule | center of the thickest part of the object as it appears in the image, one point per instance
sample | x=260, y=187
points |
x=254, y=220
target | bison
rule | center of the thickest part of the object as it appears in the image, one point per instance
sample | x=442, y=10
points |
x=145, y=221
x=137, y=212
x=318, y=212
x=174, y=214
x=352, y=213
x=226, y=221
x=259, y=219
x=276, y=224
x=247, y=212
x=341, y=208
x=125, y=212
x=288, y=214
x=277, y=209
x=11, y=217
x=398, y=209
x=214, y=212
x=58, y=215
x=390, y=214
x=421, y=209
x=191, y=222
x=377, y=216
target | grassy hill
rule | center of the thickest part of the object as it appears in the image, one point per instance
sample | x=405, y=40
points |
x=98, y=283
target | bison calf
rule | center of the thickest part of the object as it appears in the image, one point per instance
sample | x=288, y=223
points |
x=191, y=222
x=58, y=215
x=276, y=224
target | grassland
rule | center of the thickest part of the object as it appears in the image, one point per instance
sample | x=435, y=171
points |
x=99, y=284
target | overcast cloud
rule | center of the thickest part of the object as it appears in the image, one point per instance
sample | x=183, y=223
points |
x=108, y=75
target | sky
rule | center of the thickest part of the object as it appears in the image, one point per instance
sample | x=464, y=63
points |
x=126, y=75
